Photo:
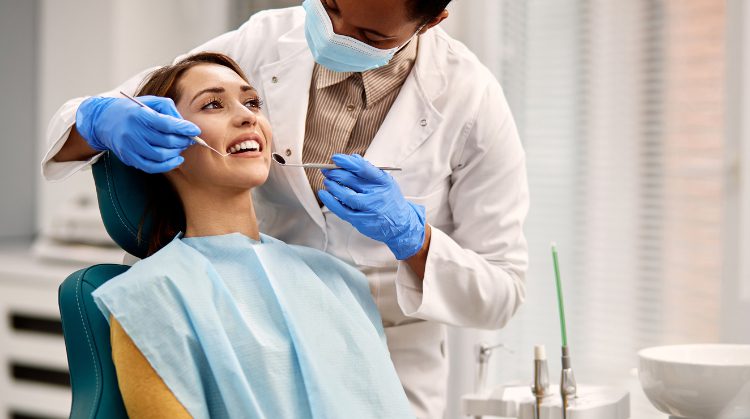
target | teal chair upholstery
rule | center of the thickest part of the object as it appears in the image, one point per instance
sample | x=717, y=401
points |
x=122, y=203
x=92, y=373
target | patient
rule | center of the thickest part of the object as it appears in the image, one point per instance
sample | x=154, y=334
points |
x=220, y=320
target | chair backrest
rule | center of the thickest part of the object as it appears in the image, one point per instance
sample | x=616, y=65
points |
x=92, y=373
x=120, y=191
x=122, y=203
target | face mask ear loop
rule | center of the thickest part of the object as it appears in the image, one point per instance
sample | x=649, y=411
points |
x=419, y=29
x=410, y=39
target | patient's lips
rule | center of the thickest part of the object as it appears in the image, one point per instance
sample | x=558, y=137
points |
x=246, y=146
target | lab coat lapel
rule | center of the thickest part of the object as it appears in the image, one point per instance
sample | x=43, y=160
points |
x=412, y=117
x=410, y=121
x=286, y=84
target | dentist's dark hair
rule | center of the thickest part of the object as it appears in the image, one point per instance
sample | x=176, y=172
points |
x=425, y=10
x=164, y=207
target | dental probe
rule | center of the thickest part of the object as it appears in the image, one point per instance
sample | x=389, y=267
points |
x=567, y=379
x=278, y=158
x=484, y=351
x=197, y=139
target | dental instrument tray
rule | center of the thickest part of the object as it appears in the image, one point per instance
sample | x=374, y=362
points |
x=516, y=401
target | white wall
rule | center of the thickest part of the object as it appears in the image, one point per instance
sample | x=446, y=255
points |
x=475, y=24
x=89, y=46
x=17, y=109
x=736, y=275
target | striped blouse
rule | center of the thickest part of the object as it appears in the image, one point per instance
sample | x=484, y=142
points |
x=346, y=110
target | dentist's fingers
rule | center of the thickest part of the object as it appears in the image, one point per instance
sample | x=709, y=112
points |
x=346, y=196
x=170, y=125
x=158, y=154
x=335, y=206
x=345, y=178
x=159, y=139
x=359, y=166
x=161, y=114
x=160, y=104
x=150, y=166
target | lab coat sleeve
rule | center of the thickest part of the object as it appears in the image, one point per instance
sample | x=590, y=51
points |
x=232, y=43
x=62, y=123
x=474, y=276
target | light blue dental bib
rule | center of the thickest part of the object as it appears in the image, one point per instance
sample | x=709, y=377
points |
x=244, y=329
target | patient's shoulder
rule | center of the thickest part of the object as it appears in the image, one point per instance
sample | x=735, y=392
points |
x=143, y=391
x=175, y=260
x=166, y=258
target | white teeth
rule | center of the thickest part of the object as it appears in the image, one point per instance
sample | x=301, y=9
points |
x=251, y=145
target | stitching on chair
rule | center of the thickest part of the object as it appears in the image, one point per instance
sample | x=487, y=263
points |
x=91, y=348
x=111, y=198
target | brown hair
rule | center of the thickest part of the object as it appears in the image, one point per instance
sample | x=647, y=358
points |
x=425, y=10
x=164, y=207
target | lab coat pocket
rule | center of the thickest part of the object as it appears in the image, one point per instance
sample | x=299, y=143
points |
x=368, y=252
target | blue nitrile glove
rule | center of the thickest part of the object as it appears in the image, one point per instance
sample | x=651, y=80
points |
x=373, y=204
x=150, y=139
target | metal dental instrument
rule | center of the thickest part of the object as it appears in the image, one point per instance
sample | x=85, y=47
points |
x=541, y=378
x=567, y=379
x=198, y=140
x=484, y=351
x=282, y=162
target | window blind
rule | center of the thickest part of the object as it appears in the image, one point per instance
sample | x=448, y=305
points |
x=620, y=108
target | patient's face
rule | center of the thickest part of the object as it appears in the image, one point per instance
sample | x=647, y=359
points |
x=228, y=112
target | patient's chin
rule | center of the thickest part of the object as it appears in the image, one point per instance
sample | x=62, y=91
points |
x=251, y=177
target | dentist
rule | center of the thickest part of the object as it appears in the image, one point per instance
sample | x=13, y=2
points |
x=441, y=242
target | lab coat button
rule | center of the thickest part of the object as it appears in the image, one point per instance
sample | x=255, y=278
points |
x=423, y=122
x=288, y=152
x=274, y=79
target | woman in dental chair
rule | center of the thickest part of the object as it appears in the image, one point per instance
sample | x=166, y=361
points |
x=220, y=320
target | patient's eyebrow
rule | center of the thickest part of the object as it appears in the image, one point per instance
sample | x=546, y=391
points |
x=243, y=88
x=208, y=90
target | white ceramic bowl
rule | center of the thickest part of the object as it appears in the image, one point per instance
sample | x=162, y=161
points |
x=707, y=381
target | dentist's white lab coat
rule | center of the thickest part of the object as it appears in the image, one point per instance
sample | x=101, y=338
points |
x=451, y=131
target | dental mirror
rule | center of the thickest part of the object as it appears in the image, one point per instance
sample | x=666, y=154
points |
x=281, y=161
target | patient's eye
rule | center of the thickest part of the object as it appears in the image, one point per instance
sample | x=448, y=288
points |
x=254, y=103
x=213, y=103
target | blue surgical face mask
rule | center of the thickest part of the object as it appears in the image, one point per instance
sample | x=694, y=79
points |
x=338, y=52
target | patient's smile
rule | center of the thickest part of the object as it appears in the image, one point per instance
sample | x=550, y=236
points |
x=246, y=146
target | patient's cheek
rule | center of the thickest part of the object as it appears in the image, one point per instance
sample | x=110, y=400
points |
x=214, y=141
x=190, y=155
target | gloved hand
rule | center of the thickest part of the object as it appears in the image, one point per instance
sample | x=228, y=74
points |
x=371, y=201
x=150, y=139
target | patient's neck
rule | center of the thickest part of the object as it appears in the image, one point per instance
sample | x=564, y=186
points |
x=216, y=212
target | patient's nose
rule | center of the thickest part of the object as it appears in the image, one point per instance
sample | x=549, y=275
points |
x=245, y=116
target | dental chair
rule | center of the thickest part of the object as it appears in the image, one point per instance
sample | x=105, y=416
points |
x=86, y=331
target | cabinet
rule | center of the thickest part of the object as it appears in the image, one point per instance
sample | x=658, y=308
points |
x=34, y=381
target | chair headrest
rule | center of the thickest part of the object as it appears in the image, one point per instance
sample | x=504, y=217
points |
x=122, y=197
